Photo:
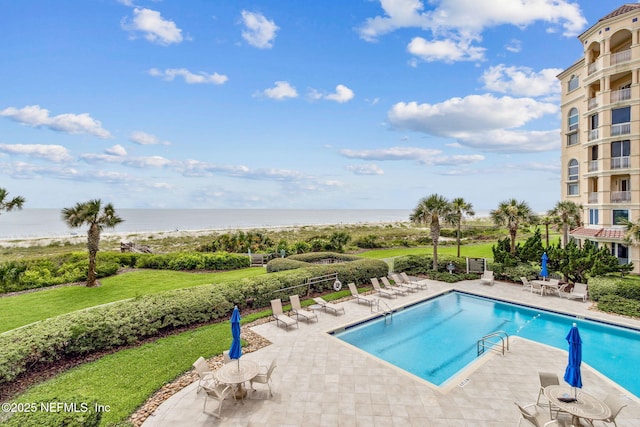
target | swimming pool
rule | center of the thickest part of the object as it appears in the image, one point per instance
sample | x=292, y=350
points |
x=437, y=338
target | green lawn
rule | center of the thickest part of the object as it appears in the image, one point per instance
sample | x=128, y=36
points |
x=125, y=380
x=27, y=308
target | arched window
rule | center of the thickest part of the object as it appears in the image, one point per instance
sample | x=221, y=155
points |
x=572, y=178
x=573, y=119
x=574, y=81
x=573, y=170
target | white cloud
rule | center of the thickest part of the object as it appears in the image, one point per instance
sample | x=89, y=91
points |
x=522, y=81
x=134, y=162
x=456, y=24
x=514, y=46
x=189, y=77
x=281, y=91
x=399, y=14
x=155, y=28
x=116, y=150
x=54, y=153
x=35, y=116
x=368, y=169
x=468, y=114
x=144, y=138
x=445, y=50
x=425, y=156
x=480, y=121
x=343, y=94
x=259, y=31
x=465, y=16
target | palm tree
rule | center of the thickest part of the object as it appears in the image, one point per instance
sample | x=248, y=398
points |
x=513, y=214
x=428, y=211
x=9, y=205
x=546, y=221
x=460, y=208
x=566, y=214
x=97, y=218
x=632, y=231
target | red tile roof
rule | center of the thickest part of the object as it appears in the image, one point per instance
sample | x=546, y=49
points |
x=621, y=11
x=599, y=233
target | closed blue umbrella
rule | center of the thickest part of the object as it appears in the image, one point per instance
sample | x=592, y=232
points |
x=236, y=349
x=544, y=272
x=572, y=373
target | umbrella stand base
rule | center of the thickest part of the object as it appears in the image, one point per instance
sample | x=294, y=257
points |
x=240, y=392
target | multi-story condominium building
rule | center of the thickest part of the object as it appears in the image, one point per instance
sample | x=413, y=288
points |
x=600, y=107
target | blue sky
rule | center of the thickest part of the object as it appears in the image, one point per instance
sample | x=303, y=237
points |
x=285, y=103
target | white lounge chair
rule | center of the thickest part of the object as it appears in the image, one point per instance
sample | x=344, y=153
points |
x=387, y=285
x=407, y=279
x=579, y=291
x=364, y=298
x=278, y=314
x=297, y=309
x=390, y=293
x=334, y=308
x=400, y=281
x=487, y=277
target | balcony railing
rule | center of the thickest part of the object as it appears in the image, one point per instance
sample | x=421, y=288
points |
x=594, y=102
x=621, y=95
x=593, y=166
x=593, y=197
x=620, y=162
x=620, y=57
x=621, y=129
x=620, y=196
x=593, y=67
x=594, y=134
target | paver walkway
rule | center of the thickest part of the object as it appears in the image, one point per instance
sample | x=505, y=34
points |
x=320, y=381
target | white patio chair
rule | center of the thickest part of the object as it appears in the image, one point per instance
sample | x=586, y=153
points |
x=264, y=377
x=579, y=291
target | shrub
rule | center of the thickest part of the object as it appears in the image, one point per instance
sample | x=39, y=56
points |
x=282, y=264
x=619, y=305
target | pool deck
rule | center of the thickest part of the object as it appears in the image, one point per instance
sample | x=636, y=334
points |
x=321, y=381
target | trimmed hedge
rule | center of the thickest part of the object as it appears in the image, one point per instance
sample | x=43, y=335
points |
x=319, y=256
x=70, y=268
x=126, y=322
x=423, y=264
x=283, y=264
x=619, y=305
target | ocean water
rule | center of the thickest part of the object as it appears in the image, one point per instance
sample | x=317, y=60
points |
x=34, y=223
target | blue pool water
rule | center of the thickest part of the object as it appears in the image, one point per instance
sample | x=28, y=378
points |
x=437, y=338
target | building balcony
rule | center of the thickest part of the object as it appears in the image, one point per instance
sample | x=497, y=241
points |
x=620, y=57
x=620, y=162
x=593, y=67
x=593, y=166
x=594, y=102
x=621, y=129
x=620, y=196
x=620, y=95
x=593, y=197
x=593, y=135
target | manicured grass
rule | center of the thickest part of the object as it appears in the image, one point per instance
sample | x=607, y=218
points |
x=19, y=310
x=126, y=379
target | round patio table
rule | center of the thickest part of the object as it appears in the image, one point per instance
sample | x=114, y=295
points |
x=585, y=406
x=236, y=373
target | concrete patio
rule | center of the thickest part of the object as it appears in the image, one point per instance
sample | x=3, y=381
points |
x=320, y=381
